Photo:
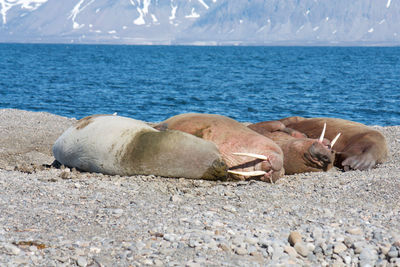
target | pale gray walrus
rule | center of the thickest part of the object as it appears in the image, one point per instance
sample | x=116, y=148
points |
x=300, y=154
x=247, y=153
x=359, y=147
x=122, y=146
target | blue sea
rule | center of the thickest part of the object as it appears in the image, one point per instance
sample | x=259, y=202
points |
x=250, y=84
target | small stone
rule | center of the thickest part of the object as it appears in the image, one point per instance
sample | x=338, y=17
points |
x=339, y=248
x=294, y=237
x=338, y=263
x=11, y=249
x=193, y=264
x=290, y=251
x=169, y=237
x=355, y=231
x=81, y=261
x=148, y=262
x=301, y=248
x=217, y=224
x=229, y=208
x=241, y=251
x=224, y=246
x=95, y=250
x=158, y=262
x=358, y=246
x=311, y=247
x=368, y=256
x=251, y=240
x=118, y=212
x=175, y=198
x=393, y=252
x=347, y=260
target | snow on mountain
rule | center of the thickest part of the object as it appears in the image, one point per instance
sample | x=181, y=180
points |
x=201, y=21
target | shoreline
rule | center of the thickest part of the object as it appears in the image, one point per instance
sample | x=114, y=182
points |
x=63, y=217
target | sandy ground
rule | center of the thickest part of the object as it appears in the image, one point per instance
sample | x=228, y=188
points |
x=58, y=217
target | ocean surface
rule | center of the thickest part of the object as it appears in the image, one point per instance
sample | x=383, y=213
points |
x=249, y=84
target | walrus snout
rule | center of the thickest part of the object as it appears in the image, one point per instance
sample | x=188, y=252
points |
x=321, y=155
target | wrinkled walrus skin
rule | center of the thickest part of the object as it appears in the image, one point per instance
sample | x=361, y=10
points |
x=122, y=146
x=300, y=154
x=231, y=136
x=359, y=147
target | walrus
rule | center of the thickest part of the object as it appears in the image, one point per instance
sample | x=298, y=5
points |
x=247, y=153
x=300, y=154
x=359, y=148
x=118, y=145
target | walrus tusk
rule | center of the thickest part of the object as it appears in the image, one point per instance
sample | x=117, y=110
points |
x=251, y=173
x=334, y=140
x=321, y=138
x=257, y=156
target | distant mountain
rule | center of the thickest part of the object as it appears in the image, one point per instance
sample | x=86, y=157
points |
x=303, y=22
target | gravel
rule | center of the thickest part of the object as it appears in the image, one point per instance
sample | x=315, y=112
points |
x=62, y=217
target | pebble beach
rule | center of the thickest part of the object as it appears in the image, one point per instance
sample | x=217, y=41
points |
x=62, y=217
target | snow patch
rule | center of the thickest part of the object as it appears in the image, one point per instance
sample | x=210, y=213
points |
x=315, y=28
x=173, y=12
x=382, y=21
x=76, y=10
x=388, y=3
x=112, y=31
x=204, y=4
x=308, y=12
x=124, y=27
x=300, y=28
x=155, y=20
x=260, y=29
x=97, y=10
x=334, y=32
x=371, y=30
x=142, y=12
x=327, y=18
x=193, y=15
x=25, y=4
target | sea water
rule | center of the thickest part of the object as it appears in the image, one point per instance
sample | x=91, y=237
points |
x=251, y=84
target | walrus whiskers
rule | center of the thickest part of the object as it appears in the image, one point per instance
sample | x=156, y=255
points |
x=321, y=138
x=252, y=155
x=334, y=140
x=248, y=174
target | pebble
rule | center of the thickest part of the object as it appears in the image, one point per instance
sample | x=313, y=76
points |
x=290, y=251
x=11, y=249
x=339, y=248
x=355, y=231
x=176, y=198
x=81, y=261
x=301, y=248
x=368, y=256
x=393, y=252
x=294, y=237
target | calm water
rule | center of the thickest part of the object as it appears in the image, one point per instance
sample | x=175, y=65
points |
x=253, y=84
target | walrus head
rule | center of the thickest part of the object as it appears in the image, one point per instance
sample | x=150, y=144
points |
x=309, y=155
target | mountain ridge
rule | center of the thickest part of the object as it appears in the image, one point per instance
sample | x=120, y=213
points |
x=201, y=22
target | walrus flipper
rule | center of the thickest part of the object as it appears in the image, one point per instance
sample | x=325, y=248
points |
x=361, y=162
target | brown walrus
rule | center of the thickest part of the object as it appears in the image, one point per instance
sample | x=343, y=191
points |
x=301, y=154
x=247, y=153
x=359, y=147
